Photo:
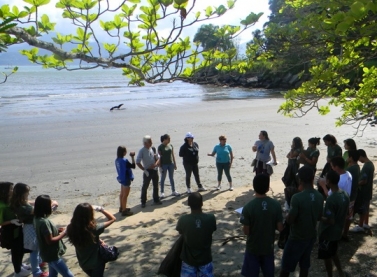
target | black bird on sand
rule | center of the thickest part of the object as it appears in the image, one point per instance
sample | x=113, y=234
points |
x=116, y=107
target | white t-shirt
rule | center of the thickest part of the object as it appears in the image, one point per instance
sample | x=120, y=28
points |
x=345, y=183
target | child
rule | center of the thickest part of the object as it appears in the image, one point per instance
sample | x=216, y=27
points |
x=10, y=227
x=83, y=233
x=25, y=213
x=51, y=246
x=125, y=177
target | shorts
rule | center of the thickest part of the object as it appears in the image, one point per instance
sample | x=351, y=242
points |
x=297, y=251
x=363, y=207
x=194, y=271
x=253, y=263
x=126, y=183
x=327, y=249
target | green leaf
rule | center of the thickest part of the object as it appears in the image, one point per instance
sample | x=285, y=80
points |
x=221, y=10
x=230, y=4
x=209, y=11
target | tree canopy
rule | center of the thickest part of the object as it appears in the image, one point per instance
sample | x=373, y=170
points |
x=122, y=34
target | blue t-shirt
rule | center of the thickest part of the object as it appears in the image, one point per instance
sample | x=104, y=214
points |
x=123, y=167
x=222, y=153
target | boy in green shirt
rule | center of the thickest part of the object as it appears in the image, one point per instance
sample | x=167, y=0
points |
x=332, y=223
x=260, y=218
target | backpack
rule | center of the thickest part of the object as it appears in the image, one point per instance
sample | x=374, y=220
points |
x=7, y=235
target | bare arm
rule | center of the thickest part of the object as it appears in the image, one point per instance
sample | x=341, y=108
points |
x=50, y=239
x=211, y=154
x=175, y=164
x=139, y=165
x=273, y=155
x=231, y=158
x=111, y=218
x=246, y=230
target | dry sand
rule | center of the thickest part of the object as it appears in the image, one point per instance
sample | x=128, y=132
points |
x=71, y=158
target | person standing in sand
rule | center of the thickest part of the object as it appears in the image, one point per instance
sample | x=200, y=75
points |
x=260, y=218
x=125, y=177
x=264, y=147
x=167, y=164
x=148, y=161
x=224, y=160
x=196, y=229
x=189, y=151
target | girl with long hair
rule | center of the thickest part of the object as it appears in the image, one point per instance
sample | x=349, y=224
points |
x=51, y=246
x=289, y=178
x=264, y=149
x=349, y=144
x=310, y=156
x=24, y=210
x=11, y=230
x=83, y=232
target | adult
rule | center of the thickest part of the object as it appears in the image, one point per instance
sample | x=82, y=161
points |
x=333, y=150
x=125, y=177
x=196, y=229
x=83, y=232
x=289, y=178
x=224, y=160
x=11, y=231
x=264, y=147
x=167, y=164
x=305, y=211
x=310, y=156
x=189, y=151
x=364, y=193
x=260, y=218
x=148, y=161
x=331, y=224
x=349, y=144
x=354, y=169
x=345, y=181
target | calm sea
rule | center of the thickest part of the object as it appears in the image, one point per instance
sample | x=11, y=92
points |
x=34, y=91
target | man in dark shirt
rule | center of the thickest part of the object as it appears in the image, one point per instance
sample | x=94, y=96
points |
x=306, y=210
x=196, y=229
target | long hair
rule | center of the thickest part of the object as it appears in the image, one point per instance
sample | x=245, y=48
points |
x=315, y=141
x=79, y=232
x=42, y=206
x=265, y=134
x=19, y=197
x=297, y=142
x=351, y=144
x=5, y=192
x=163, y=137
x=120, y=151
x=330, y=138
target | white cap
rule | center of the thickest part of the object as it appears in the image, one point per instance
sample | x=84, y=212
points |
x=189, y=135
x=146, y=138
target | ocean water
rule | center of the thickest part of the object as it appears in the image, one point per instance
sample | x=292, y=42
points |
x=34, y=91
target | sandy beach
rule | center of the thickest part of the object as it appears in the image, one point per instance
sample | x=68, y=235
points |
x=70, y=156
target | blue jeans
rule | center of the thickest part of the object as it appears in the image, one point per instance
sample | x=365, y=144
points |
x=253, y=263
x=197, y=271
x=60, y=267
x=34, y=262
x=165, y=169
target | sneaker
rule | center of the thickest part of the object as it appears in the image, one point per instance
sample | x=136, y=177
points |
x=175, y=193
x=366, y=226
x=26, y=266
x=143, y=205
x=162, y=195
x=43, y=274
x=202, y=189
x=157, y=203
x=22, y=273
x=218, y=188
x=231, y=188
x=357, y=229
x=188, y=191
x=43, y=265
x=127, y=213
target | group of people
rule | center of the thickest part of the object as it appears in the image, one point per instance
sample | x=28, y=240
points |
x=26, y=227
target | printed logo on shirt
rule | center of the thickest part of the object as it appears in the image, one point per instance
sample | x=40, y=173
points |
x=198, y=224
x=264, y=205
x=312, y=197
x=328, y=212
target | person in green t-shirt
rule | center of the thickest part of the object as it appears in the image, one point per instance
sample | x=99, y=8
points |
x=51, y=246
x=83, y=232
x=306, y=209
x=354, y=169
x=332, y=223
x=349, y=144
x=196, y=229
x=311, y=155
x=364, y=193
x=260, y=218
x=11, y=230
x=167, y=164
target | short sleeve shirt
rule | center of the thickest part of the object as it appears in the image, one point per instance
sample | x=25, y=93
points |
x=196, y=230
x=310, y=154
x=336, y=208
x=345, y=183
x=25, y=213
x=334, y=151
x=222, y=153
x=355, y=172
x=367, y=174
x=146, y=156
x=264, y=149
x=88, y=256
x=262, y=216
x=48, y=252
x=6, y=214
x=306, y=207
x=166, y=153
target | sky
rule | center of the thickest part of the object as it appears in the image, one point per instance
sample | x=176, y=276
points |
x=232, y=17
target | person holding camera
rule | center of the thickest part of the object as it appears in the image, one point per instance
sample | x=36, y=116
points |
x=125, y=177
